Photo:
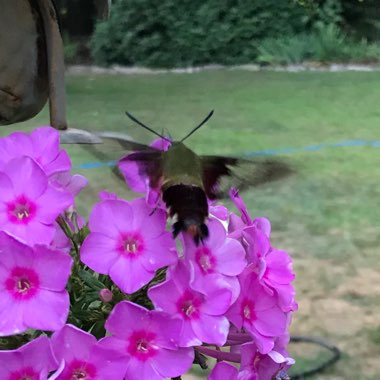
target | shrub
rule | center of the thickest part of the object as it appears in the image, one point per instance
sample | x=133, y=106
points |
x=286, y=50
x=326, y=44
x=168, y=33
x=329, y=44
x=176, y=34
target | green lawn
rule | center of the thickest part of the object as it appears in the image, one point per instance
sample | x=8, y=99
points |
x=328, y=212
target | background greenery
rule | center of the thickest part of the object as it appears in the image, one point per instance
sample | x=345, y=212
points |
x=170, y=33
x=194, y=32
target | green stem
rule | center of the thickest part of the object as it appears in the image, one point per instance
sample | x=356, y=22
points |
x=66, y=229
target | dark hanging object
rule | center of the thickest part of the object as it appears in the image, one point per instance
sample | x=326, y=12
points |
x=31, y=62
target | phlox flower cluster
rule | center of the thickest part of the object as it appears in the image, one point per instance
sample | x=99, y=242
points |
x=122, y=298
x=33, y=196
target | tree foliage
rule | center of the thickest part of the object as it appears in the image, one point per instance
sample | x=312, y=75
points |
x=191, y=32
x=170, y=33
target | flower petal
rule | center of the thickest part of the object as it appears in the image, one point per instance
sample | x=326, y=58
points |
x=159, y=252
x=60, y=164
x=136, y=315
x=159, y=296
x=224, y=371
x=271, y=322
x=129, y=275
x=26, y=176
x=110, y=364
x=111, y=217
x=211, y=329
x=98, y=252
x=231, y=258
x=144, y=215
x=11, y=316
x=31, y=233
x=47, y=310
x=70, y=343
x=47, y=261
x=218, y=301
x=51, y=203
x=138, y=370
x=170, y=363
x=6, y=188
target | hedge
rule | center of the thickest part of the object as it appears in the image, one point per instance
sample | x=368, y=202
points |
x=172, y=33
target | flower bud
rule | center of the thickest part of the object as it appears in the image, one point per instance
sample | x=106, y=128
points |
x=105, y=295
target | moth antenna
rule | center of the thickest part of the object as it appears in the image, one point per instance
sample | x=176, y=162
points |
x=198, y=126
x=145, y=126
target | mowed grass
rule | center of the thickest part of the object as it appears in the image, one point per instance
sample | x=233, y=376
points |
x=327, y=212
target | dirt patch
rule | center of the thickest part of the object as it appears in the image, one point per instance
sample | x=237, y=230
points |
x=365, y=283
x=342, y=305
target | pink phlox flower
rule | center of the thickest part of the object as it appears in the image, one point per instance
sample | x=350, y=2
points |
x=161, y=144
x=28, y=204
x=42, y=145
x=218, y=256
x=73, y=184
x=148, y=341
x=237, y=224
x=255, y=365
x=83, y=357
x=202, y=312
x=257, y=245
x=278, y=275
x=223, y=371
x=257, y=312
x=32, y=290
x=273, y=266
x=137, y=179
x=218, y=211
x=128, y=242
x=240, y=205
x=32, y=361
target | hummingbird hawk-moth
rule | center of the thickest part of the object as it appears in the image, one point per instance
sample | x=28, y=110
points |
x=187, y=181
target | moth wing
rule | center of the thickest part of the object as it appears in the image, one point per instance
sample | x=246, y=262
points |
x=213, y=168
x=112, y=151
x=149, y=164
x=221, y=173
x=124, y=141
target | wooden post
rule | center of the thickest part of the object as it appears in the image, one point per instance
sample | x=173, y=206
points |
x=56, y=66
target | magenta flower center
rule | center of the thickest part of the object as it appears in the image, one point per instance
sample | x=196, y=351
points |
x=189, y=304
x=25, y=374
x=21, y=210
x=205, y=260
x=81, y=370
x=248, y=311
x=142, y=345
x=131, y=244
x=22, y=283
